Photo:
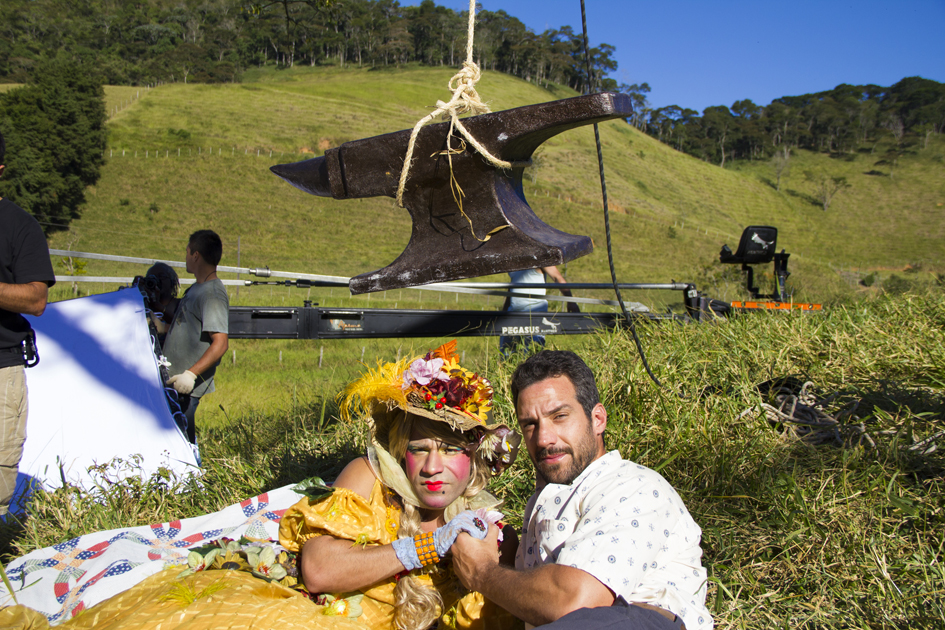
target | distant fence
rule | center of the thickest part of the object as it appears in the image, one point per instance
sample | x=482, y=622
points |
x=189, y=152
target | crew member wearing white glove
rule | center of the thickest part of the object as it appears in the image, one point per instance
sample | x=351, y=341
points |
x=198, y=337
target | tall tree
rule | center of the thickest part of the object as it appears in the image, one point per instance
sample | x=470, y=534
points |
x=637, y=93
x=55, y=133
x=826, y=187
x=719, y=122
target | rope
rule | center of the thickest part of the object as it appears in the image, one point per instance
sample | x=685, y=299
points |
x=465, y=100
x=603, y=189
x=808, y=418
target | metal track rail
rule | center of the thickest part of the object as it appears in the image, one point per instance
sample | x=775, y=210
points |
x=254, y=322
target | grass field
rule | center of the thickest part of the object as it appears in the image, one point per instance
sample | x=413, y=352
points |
x=841, y=529
x=184, y=157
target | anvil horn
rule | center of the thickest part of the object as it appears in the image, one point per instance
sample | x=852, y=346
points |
x=442, y=245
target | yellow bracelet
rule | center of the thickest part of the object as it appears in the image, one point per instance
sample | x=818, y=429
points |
x=426, y=549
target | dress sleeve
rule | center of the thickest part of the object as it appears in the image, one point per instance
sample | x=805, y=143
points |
x=345, y=514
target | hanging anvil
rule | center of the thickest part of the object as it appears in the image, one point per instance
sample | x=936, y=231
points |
x=445, y=245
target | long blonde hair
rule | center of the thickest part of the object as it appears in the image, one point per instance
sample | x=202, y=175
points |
x=417, y=606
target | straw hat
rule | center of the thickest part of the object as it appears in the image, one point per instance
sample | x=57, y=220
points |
x=436, y=387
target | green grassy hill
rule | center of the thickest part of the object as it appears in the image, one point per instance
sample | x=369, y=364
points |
x=184, y=157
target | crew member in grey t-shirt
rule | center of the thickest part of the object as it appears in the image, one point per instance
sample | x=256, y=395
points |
x=198, y=337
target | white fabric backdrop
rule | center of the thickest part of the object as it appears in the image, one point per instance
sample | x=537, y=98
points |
x=97, y=394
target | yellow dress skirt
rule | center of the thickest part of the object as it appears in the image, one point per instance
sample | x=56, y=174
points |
x=227, y=591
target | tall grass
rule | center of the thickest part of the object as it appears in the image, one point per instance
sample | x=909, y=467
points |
x=795, y=534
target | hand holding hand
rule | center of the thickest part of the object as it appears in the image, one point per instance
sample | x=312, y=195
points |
x=472, y=559
x=428, y=548
x=183, y=383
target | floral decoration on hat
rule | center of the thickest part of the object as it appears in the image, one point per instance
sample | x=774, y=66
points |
x=437, y=380
x=437, y=387
x=434, y=385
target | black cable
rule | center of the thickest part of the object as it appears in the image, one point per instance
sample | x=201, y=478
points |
x=603, y=188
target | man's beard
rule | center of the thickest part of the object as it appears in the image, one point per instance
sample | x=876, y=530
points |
x=565, y=473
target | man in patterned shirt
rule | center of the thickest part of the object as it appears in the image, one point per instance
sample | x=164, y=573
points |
x=605, y=542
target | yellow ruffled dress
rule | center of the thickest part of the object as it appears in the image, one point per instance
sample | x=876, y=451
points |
x=348, y=516
x=234, y=599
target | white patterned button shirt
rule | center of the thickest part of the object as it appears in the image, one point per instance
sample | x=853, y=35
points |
x=625, y=525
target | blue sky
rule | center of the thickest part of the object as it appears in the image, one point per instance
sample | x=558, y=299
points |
x=700, y=53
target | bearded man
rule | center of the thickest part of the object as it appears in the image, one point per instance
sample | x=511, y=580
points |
x=606, y=542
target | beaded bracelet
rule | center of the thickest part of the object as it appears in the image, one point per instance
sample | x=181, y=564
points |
x=426, y=549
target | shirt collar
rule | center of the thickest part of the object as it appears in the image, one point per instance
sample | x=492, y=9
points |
x=607, y=459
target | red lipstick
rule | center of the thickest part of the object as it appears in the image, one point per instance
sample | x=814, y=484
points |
x=433, y=486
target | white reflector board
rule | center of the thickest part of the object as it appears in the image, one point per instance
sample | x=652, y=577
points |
x=97, y=395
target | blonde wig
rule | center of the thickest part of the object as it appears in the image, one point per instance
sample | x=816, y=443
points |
x=416, y=605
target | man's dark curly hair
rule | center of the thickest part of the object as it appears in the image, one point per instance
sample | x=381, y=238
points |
x=552, y=363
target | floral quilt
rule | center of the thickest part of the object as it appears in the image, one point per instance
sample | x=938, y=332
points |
x=62, y=580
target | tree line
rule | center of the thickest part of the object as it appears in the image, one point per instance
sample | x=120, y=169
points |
x=837, y=121
x=142, y=42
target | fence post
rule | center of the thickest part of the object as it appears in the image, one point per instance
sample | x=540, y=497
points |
x=238, y=247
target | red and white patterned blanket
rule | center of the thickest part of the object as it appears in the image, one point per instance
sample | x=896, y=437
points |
x=62, y=580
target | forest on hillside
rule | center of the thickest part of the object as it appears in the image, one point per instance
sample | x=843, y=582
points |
x=142, y=42
x=837, y=121
x=145, y=42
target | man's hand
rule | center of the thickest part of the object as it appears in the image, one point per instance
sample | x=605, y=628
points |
x=472, y=559
x=183, y=383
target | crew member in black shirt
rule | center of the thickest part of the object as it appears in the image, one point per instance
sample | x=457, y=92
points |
x=26, y=274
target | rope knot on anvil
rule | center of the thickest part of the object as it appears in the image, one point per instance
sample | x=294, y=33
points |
x=465, y=100
x=463, y=87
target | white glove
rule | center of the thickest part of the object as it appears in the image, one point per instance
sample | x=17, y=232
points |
x=183, y=383
x=443, y=538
